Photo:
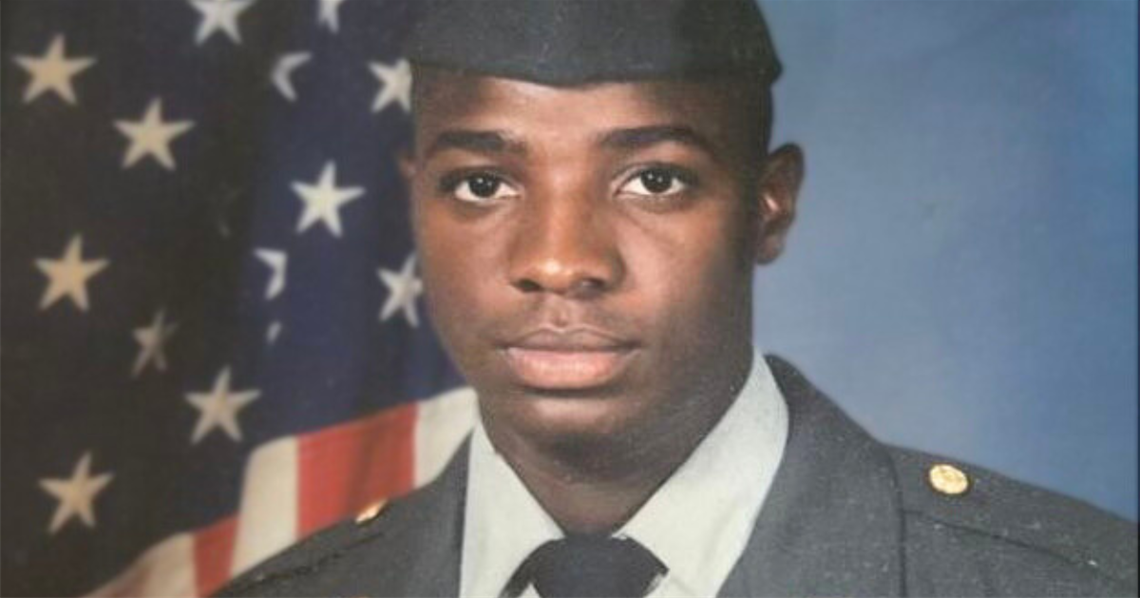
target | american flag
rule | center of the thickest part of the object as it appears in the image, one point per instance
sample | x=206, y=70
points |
x=213, y=339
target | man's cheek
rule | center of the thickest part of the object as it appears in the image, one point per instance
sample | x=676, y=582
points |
x=720, y=292
x=444, y=296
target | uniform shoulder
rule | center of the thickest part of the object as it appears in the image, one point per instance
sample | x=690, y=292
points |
x=946, y=494
x=281, y=574
x=401, y=547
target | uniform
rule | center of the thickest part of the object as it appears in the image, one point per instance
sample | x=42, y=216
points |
x=846, y=515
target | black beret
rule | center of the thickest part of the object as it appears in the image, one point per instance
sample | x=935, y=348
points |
x=573, y=42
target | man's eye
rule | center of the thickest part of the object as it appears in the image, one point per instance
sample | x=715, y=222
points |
x=655, y=182
x=478, y=188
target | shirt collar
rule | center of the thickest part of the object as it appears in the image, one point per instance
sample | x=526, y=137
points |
x=698, y=523
x=503, y=523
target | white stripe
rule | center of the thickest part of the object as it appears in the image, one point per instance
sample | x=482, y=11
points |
x=165, y=569
x=267, y=518
x=442, y=423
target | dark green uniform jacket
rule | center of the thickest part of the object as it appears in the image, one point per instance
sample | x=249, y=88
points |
x=846, y=515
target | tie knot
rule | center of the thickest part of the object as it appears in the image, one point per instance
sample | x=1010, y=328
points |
x=588, y=567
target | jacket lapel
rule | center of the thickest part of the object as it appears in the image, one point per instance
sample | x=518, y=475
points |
x=831, y=524
x=414, y=548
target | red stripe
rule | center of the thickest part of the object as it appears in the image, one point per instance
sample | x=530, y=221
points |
x=213, y=553
x=345, y=468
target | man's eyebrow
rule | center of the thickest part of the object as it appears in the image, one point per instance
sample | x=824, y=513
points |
x=642, y=137
x=483, y=142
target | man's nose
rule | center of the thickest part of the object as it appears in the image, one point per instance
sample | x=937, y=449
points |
x=565, y=245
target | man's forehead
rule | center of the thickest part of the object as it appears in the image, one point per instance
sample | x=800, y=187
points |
x=577, y=42
x=496, y=115
x=447, y=97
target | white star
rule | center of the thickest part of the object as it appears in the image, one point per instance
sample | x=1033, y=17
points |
x=403, y=288
x=152, y=343
x=75, y=494
x=53, y=72
x=324, y=199
x=151, y=136
x=328, y=13
x=69, y=274
x=219, y=15
x=395, y=84
x=283, y=69
x=273, y=332
x=276, y=260
x=220, y=407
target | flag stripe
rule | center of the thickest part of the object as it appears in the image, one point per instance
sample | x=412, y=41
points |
x=213, y=551
x=268, y=509
x=441, y=425
x=166, y=569
x=344, y=468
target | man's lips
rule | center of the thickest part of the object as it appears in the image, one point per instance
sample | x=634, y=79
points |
x=567, y=360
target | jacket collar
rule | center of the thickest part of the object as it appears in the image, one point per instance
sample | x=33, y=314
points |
x=831, y=524
x=429, y=553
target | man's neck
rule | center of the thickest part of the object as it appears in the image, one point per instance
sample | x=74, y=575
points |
x=596, y=485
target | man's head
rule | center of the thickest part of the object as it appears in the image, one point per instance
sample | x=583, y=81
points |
x=587, y=238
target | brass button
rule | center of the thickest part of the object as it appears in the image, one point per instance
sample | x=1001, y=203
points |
x=371, y=512
x=947, y=479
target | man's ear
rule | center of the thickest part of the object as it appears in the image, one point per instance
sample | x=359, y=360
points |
x=777, y=190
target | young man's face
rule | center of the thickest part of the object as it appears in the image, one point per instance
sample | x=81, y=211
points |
x=587, y=252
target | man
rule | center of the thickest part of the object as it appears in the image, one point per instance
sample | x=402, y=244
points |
x=591, y=187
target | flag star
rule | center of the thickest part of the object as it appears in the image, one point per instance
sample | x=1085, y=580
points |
x=283, y=69
x=53, y=71
x=219, y=15
x=152, y=343
x=395, y=85
x=403, y=289
x=69, y=274
x=324, y=199
x=276, y=260
x=151, y=136
x=328, y=13
x=273, y=332
x=220, y=407
x=76, y=494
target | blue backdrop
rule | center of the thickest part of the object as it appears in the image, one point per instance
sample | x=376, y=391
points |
x=962, y=275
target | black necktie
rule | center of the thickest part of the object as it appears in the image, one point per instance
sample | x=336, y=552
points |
x=588, y=567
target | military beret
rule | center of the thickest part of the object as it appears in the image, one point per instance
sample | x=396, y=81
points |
x=574, y=42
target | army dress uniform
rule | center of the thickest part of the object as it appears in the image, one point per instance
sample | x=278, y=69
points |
x=845, y=515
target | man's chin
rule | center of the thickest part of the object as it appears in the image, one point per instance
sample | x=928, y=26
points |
x=577, y=417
